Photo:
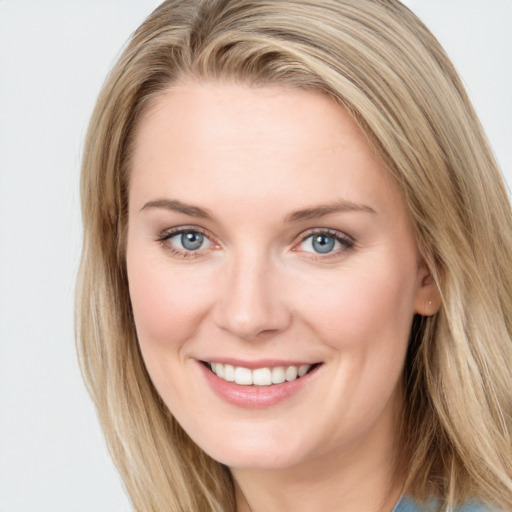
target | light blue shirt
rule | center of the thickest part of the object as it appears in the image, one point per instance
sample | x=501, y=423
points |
x=406, y=504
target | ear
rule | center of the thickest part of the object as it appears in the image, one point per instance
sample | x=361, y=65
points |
x=428, y=299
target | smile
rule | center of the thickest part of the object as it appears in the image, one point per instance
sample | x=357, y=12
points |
x=259, y=376
x=257, y=385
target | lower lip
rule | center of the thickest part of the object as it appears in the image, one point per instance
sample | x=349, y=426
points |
x=255, y=397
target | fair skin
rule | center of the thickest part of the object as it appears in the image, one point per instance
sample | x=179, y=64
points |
x=264, y=233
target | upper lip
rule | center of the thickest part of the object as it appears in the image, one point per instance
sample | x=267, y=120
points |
x=258, y=363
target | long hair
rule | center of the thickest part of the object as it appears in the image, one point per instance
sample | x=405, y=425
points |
x=378, y=61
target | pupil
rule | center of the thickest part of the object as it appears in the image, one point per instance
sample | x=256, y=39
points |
x=191, y=241
x=323, y=243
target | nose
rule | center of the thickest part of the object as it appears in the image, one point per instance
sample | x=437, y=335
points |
x=251, y=303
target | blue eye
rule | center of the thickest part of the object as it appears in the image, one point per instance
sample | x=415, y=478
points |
x=325, y=243
x=186, y=240
x=191, y=241
x=320, y=243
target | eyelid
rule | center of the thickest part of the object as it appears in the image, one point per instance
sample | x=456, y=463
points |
x=347, y=242
x=167, y=234
x=334, y=233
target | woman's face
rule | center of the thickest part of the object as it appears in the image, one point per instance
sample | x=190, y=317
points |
x=266, y=238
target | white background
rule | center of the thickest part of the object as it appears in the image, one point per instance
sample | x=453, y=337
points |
x=54, y=55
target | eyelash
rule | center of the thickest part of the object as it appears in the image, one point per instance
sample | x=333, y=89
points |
x=164, y=237
x=346, y=242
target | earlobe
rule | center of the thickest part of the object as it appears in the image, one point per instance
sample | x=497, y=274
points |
x=428, y=299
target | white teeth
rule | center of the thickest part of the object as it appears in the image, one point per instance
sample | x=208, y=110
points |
x=303, y=369
x=220, y=370
x=290, y=373
x=243, y=376
x=259, y=376
x=229, y=373
x=262, y=377
x=278, y=375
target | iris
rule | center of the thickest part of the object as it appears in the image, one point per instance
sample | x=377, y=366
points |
x=191, y=240
x=323, y=243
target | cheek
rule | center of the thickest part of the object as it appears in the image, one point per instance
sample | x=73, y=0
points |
x=364, y=315
x=361, y=305
x=167, y=307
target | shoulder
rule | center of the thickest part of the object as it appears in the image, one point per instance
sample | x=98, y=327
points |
x=407, y=504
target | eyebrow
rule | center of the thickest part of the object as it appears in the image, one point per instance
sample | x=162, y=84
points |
x=314, y=212
x=322, y=210
x=178, y=206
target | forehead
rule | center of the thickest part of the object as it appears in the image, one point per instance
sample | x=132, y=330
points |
x=226, y=141
x=225, y=112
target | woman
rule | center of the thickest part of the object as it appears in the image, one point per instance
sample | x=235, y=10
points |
x=295, y=285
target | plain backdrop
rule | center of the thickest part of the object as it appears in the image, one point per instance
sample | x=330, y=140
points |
x=54, y=56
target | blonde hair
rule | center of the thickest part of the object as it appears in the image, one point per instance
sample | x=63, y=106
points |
x=384, y=66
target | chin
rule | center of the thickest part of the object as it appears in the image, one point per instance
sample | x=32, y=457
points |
x=256, y=459
x=254, y=450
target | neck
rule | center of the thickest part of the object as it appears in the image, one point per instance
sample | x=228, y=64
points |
x=346, y=488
